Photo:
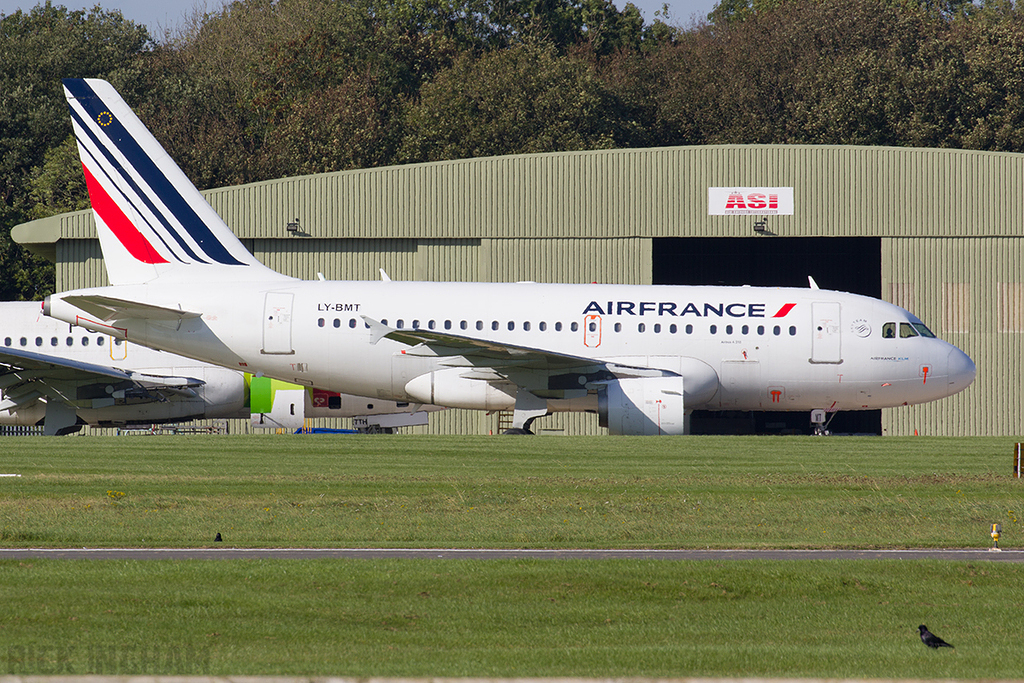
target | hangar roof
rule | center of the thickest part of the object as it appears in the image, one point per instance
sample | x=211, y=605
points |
x=659, y=192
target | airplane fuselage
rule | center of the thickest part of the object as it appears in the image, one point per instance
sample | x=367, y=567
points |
x=737, y=348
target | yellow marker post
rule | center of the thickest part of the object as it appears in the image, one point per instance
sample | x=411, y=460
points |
x=996, y=528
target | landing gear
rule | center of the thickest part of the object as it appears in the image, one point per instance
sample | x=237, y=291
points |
x=819, y=423
x=528, y=408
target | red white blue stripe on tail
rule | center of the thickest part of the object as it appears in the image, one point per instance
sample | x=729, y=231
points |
x=152, y=222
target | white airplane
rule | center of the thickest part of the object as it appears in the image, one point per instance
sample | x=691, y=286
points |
x=61, y=378
x=641, y=357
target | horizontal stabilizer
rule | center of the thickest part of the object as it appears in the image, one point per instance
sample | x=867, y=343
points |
x=108, y=308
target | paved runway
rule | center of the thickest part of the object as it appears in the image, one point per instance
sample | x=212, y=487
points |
x=973, y=555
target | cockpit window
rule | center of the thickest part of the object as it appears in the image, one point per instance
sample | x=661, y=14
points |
x=923, y=330
x=889, y=331
x=907, y=330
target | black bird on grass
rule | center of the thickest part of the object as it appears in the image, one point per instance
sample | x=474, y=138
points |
x=930, y=639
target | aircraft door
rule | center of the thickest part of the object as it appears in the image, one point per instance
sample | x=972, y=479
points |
x=118, y=348
x=277, y=323
x=592, y=331
x=826, y=342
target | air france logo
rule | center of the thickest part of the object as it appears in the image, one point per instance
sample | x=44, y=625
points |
x=678, y=310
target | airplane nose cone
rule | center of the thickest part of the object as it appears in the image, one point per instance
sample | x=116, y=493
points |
x=961, y=370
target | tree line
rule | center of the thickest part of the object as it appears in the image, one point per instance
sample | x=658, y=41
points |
x=263, y=89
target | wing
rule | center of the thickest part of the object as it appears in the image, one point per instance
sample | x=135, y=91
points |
x=509, y=361
x=27, y=377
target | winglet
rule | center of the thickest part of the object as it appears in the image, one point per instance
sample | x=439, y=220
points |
x=812, y=283
x=378, y=330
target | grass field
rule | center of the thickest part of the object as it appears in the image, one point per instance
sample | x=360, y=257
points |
x=544, y=492
x=510, y=618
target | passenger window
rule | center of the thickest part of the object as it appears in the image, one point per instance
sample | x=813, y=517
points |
x=760, y=329
x=85, y=341
x=526, y=327
x=745, y=329
x=543, y=326
x=24, y=341
x=53, y=341
x=400, y=324
x=558, y=327
x=657, y=328
x=592, y=326
x=689, y=329
x=618, y=327
x=575, y=327
x=431, y=325
x=889, y=331
x=511, y=326
x=776, y=330
x=479, y=324
x=463, y=325
x=352, y=323
x=99, y=341
x=321, y=322
x=337, y=323
x=494, y=325
x=792, y=331
x=907, y=331
x=415, y=324
x=714, y=329
x=728, y=329
x=447, y=324
x=641, y=327
x=70, y=341
x=7, y=341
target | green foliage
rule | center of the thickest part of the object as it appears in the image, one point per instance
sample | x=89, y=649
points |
x=37, y=49
x=523, y=99
x=262, y=89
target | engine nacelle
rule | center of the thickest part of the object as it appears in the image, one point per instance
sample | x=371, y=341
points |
x=644, y=406
x=453, y=389
x=224, y=394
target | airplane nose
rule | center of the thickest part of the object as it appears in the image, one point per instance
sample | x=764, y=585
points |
x=961, y=370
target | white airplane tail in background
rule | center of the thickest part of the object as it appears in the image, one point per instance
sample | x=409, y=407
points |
x=152, y=221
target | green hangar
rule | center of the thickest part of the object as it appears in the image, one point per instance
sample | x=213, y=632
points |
x=938, y=232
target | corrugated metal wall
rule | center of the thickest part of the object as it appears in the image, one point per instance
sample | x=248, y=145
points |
x=969, y=292
x=79, y=264
x=849, y=191
x=952, y=219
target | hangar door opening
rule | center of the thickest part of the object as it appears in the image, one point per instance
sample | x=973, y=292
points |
x=849, y=264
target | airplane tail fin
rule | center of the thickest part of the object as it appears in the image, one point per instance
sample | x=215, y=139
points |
x=152, y=221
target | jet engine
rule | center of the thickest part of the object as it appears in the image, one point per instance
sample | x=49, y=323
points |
x=656, y=405
x=462, y=388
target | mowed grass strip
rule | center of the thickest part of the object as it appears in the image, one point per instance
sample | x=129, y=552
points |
x=528, y=492
x=846, y=619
